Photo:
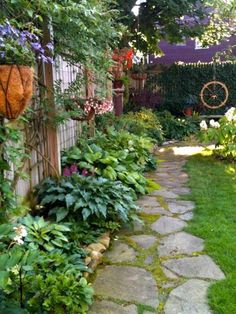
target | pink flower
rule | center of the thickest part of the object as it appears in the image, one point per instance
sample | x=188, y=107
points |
x=73, y=168
x=66, y=172
x=84, y=172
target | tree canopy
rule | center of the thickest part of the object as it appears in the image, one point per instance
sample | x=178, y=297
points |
x=173, y=21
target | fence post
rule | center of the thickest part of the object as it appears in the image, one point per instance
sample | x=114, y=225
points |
x=52, y=144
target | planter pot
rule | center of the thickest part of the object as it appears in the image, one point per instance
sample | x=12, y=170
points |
x=139, y=76
x=188, y=111
x=16, y=89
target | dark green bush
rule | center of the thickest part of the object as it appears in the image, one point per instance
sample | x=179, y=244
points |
x=180, y=81
x=177, y=128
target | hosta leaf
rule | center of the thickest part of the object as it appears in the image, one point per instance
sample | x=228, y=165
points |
x=4, y=276
x=61, y=214
x=69, y=200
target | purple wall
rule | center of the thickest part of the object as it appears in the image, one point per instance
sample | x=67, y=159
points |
x=188, y=53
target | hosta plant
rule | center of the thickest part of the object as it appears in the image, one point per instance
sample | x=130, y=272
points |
x=86, y=198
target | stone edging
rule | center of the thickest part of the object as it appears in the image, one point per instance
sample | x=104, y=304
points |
x=95, y=252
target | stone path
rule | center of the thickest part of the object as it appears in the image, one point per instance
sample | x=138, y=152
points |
x=156, y=267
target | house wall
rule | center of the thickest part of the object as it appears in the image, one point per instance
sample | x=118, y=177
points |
x=188, y=53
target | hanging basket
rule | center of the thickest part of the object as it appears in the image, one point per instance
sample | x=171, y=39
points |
x=16, y=89
x=87, y=117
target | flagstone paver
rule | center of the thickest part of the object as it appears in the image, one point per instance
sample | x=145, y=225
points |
x=121, y=252
x=180, y=243
x=166, y=225
x=145, y=241
x=128, y=285
x=108, y=307
x=165, y=193
x=156, y=210
x=180, y=207
x=195, y=267
x=187, y=216
x=169, y=273
x=132, y=284
x=149, y=260
x=189, y=298
x=148, y=201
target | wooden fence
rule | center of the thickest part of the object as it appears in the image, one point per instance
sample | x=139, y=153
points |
x=44, y=142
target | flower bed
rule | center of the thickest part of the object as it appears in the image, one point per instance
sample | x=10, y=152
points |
x=222, y=134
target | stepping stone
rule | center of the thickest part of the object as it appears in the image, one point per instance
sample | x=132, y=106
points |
x=149, y=260
x=156, y=210
x=133, y=227
x=148, y=201
x=108, y=307
x=187, y=216
x=181, y=190
x=181, y=207
x=195, y=267
x=145, y=241
x=121, y=252
x=166, y=225
x=165, y=193
x=189, y=298
x=127, y=283
x=180, y=243
x=169, y=273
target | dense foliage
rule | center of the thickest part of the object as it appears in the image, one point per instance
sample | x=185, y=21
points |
x=37, y=264
x=177, y=128
x=142, y=123
x=182, y=83
x=222, y=133
x=91, y=23
x=161, y=20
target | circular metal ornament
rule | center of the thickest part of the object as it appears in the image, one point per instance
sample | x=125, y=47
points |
x=214, y=94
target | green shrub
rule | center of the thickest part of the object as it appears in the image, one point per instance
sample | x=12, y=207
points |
x=222, y=133
x=142, y=123
x=177, y=128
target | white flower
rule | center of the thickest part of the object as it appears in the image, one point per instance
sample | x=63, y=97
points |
x=20, y=231
x=214, y=124
x=20, y=234
x=18, y=240
x=231, y=114
x=203, y=125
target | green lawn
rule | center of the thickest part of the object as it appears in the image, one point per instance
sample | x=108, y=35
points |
x=213, y=185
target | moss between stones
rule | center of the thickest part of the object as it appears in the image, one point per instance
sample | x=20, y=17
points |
x=149, y=218
x=162, y=202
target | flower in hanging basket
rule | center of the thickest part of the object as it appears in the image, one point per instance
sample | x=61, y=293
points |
x=19, y=51
x=124, y=61
x=99, y=106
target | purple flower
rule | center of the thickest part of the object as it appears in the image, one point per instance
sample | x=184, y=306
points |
x=73, y=168
x=85, y=172
x=66, y=172
x=50, y=46
x=37, y=47
x=29, y=42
